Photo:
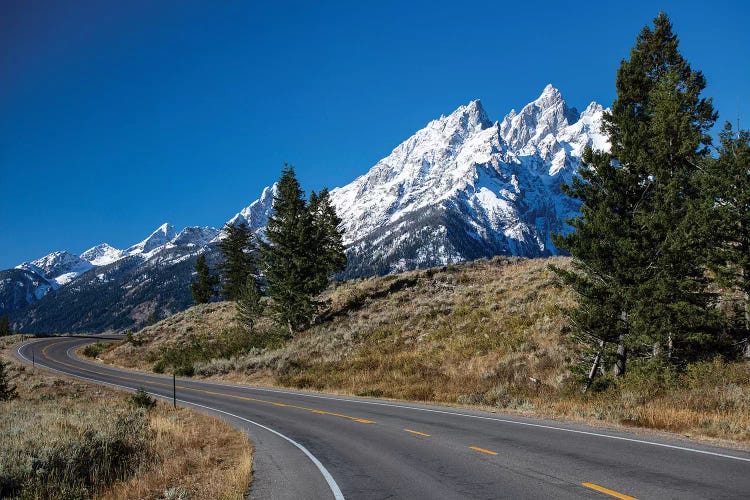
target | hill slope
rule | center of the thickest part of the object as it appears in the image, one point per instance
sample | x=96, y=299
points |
x=489, y=333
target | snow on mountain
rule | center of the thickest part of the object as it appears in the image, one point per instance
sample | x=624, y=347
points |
x=59, y=268
x=257, y=213
x=102, y=254
x=463, y=187
x=195, y=236
x=161, y=236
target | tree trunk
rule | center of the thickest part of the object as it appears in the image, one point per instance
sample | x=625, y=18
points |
x=669, y=346
x=747, y=325
x=621, y=358
x=594, y=367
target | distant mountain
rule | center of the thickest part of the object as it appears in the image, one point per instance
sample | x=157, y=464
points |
x=464, y=187
x=461, y=188
x=106, y=288
x=59, y=268
x=102, y=254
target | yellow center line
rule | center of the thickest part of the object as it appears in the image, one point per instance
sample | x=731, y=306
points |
x=482, y=450
x=418, y=433
x=607, y=491
x=204, y=391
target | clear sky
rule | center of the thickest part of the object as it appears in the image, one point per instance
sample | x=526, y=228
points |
x=117, y=116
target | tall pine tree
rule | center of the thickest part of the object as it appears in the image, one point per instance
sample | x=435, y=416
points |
x=728, y=189
x=287, y=255
x=329, y=255
x=636, y=253
x=202, y=288
x=239, y=261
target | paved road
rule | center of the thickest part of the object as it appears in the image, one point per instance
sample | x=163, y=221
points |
x=311, y=445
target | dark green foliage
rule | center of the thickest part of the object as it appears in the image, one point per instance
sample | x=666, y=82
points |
x=142, y=399
x=239, y=263
x=95, y=349
x=4, y=326
x=329, y=256
x=202, y=288
x=303, y=251
x=637, y=252
x=249, y=304
x=289, y=257
x=7, y=390
x=727, y=185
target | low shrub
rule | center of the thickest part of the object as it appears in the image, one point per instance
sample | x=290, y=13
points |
x=142, y=399
x=95, y=349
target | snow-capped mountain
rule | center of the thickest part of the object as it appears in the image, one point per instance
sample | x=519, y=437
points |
x=58, y=268
x=464, y=187
x=256, y=215
x=161, y=236
x=461, y=188
x=195, y=236
x=102, y=254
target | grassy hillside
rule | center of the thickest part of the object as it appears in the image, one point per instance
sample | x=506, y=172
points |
x=69, y=439
x=489, y=333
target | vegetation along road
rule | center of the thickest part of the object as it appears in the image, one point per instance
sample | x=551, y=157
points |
x=312, y=445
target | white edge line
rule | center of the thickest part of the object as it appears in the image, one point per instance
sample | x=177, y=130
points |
x=445, y=412
x=326, y=475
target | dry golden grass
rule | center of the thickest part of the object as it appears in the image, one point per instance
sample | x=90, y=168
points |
x=198, y=457
x=173, y=454
x=470, y=334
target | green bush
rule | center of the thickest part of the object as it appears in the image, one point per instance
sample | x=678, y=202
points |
x=95, y=349
x=141, y=399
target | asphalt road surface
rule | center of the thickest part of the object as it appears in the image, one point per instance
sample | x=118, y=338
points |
x=312, y=445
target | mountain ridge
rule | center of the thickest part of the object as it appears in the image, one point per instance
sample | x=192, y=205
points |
x=460, y=188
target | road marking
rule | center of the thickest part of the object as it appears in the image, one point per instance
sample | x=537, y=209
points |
x=454, y=413
x=607, y=491
x=480, y=417
x=204, y=391
x=334, y=487
x=417, y=433
x=482, y=450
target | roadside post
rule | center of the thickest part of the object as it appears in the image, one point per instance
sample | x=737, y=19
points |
x=174, y=390
x=33, y=362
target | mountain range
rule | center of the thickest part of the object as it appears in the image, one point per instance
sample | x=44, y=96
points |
x=461, y=188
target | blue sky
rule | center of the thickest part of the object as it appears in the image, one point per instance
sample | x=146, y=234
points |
x=118, y=116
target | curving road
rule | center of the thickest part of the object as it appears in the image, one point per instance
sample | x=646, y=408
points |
x=311, y=445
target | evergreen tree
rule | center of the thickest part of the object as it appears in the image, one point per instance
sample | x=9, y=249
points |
x=7, y=391
x=239, y=263
x=249, y=305
x=4, y=326
x=287, y=256
x=728, y=188
x=329, y=255
x=637, y=259
x=203, y=286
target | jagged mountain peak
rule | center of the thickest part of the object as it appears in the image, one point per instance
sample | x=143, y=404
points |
x=547, y=115
x=257, y=213
x=161, y=236
x=102, y=254
x=58, y=267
